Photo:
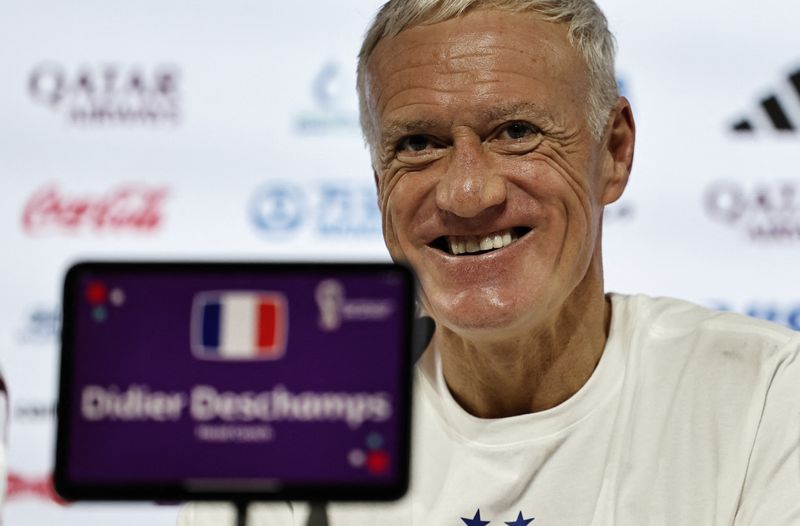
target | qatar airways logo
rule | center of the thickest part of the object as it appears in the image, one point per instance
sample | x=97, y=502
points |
x=768, y=211
x=134, y=208
x=108, y=93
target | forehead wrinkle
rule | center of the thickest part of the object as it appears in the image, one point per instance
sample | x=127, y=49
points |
x=419, y=46
x=450, y=78
x=445, y=86
x=513, y=109
x=439, y=52
x=390, y=77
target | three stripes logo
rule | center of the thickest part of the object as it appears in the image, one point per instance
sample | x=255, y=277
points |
x=779, y=110
x=239, y=325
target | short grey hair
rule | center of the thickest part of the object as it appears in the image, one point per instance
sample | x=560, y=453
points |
x=588, y=33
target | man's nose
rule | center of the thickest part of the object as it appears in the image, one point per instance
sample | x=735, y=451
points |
x=470, y=184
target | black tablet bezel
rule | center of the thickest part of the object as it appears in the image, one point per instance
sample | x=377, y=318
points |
x=180, y=492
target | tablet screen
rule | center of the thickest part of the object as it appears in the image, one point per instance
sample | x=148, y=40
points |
x=213, y=380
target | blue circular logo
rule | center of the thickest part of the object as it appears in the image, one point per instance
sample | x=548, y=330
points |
x=277, y=207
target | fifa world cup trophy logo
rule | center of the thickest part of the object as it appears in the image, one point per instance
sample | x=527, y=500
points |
x=330, y=300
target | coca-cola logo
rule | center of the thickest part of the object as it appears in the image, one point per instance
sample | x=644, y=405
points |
x=108, y=93
x=131, y=207
x=768, y=211
x=35, y=486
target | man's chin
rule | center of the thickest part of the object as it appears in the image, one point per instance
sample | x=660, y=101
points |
x=491, y=322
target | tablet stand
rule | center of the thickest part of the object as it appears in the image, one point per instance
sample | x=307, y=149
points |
x=318, y=515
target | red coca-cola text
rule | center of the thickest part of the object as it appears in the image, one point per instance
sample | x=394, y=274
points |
x=40, y=487
x=137, y=208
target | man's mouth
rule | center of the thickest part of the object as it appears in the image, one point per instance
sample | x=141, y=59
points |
x=475, y=245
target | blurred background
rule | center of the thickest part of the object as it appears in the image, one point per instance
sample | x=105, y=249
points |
x=229, y=131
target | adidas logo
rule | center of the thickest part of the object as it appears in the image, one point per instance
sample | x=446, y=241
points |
x=779, y=111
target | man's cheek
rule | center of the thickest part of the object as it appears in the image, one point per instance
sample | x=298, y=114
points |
x=390, y=236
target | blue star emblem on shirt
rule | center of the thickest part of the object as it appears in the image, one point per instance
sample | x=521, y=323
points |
x=476, y=520
x=521, y=521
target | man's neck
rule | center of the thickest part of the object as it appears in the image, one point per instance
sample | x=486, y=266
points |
x=532, y=371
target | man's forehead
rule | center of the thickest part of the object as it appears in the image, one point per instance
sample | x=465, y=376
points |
x=485, y=48
x=479, y=32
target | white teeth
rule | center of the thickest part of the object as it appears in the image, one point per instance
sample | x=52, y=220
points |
x=457, y=247
x=461, y=245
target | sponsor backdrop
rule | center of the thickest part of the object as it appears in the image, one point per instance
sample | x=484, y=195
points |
x=229, y=131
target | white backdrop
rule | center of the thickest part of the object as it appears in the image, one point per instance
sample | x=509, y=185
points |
x=228, y=130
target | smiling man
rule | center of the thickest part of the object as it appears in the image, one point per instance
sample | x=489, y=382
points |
x=492, y=183
x=497, y=138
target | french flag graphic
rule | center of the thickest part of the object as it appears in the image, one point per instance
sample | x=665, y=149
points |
x=239, y=325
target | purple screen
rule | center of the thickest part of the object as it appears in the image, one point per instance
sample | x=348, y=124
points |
x=220, y=380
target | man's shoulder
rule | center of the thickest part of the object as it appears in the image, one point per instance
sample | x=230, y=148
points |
x=719, y=364
x=671, y=320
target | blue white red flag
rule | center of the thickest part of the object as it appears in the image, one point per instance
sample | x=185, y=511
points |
x=239, y=325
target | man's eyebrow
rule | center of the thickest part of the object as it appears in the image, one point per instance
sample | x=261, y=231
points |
x=515, y=109
x=397, y=129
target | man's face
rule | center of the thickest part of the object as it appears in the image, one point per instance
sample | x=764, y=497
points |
x=490, y=183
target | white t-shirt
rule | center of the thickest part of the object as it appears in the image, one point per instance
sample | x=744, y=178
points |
x=692, y=417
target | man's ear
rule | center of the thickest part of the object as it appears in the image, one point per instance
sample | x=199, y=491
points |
x=620, y=142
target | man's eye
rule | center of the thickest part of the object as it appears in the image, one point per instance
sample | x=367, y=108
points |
x=414, y=143
x=518, y=130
